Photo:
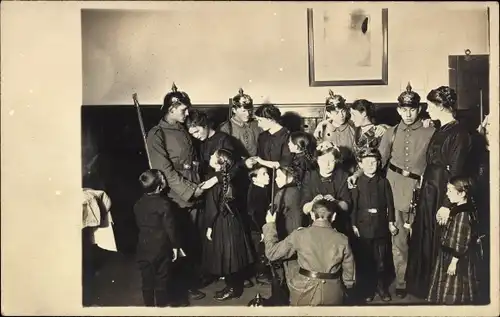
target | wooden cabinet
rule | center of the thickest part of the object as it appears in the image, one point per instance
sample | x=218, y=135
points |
x=469, y=76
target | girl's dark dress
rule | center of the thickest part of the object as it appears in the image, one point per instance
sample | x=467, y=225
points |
x=447, y=154
x=230, y=250
x=458, y=240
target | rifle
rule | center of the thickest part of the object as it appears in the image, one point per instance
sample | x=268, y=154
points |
x=141, y=123
x=279, y=295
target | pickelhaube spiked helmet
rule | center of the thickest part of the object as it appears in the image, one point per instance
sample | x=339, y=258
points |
x=409, y=98
x=334, y=100
x=174, y=98
x=242, y=100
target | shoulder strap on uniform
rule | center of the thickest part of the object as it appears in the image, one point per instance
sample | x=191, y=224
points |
x=392, y=142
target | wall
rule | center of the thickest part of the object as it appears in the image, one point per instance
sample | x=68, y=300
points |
x=41, y=96
x=212, y=50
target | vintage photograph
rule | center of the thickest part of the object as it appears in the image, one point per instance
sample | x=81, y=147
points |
x=305, y=154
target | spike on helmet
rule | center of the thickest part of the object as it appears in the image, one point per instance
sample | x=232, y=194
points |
x=409, y=98
x=242, y=100
x=334, y=100
x=175, y=98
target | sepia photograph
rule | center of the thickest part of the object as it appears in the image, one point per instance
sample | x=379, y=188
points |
x=267, y=154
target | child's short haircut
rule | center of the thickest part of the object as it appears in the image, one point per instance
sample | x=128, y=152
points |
x=255, y=171
x=368, y=152
x=150, y=180
x=325, y=209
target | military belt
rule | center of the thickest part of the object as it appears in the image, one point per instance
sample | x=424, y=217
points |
x=403, y=172
x=320, y=276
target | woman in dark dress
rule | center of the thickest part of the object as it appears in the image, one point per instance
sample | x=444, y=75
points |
x=227, y=251
x=447, y=154
x=272, y=145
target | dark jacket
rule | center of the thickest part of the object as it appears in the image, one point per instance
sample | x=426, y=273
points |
x=171, y=151
x=157, y=229
x=372, y=193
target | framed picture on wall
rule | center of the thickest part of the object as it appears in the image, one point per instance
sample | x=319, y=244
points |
x=347, y=46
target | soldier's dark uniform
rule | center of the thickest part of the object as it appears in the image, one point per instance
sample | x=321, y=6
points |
x=332, y=258
x=171, y=151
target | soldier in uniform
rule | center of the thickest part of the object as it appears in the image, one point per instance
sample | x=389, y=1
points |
x=241, y=125
x=326, y=270
x=403, y=149
x=171, y=151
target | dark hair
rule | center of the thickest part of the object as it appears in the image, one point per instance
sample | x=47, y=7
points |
x=335, y=151
x=302, y=141
x=325, y=209
x=175, y=98
x=226, y=160
x=365, y=106
x=268, y=111
x=368, y=152
x=197, y=118
x=462, y=184
x=150, y=180
x=255, y=170
x=444, y=96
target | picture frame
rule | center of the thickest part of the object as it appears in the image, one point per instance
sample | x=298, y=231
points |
x=374, y=74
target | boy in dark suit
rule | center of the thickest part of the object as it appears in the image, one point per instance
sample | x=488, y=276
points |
x=373, y=218
x=158, y=243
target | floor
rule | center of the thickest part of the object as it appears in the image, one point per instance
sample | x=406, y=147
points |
x=117, y=282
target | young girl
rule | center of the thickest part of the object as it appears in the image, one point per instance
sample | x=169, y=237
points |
x=367, y=134
x=454, y=279
x=227, y=250
x=302, y=157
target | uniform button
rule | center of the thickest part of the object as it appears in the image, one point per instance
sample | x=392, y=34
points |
x=407, y=160
x=406, y=148
x=407, y=154
x=407, y=142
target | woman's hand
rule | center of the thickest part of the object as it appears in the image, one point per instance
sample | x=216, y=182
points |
x=452, y=268
x=380, y=130
x=355, y=230
x=209, y=234
x=251, y=161
x=393, y=229
x=427, y=123
x=270, y=217
x=318, y=198
x=442, y=215
x=209, y=183
x=351, y=181
x=329, y=197
x=318, y=132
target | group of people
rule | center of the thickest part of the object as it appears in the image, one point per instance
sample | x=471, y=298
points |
x=324, y=208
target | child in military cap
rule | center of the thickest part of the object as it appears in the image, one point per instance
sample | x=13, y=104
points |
x=372, y=219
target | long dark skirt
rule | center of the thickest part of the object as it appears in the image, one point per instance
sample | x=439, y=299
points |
x=425, y=242
x=461, y=288
x=230, y=250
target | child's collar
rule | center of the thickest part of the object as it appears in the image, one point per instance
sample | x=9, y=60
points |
x=259, y=184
